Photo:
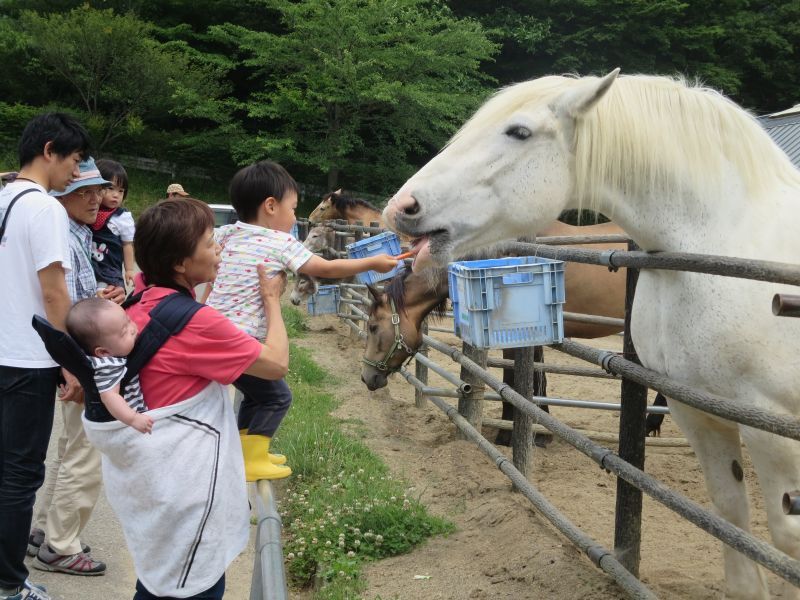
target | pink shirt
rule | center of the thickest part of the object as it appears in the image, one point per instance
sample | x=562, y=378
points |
x=209, y=348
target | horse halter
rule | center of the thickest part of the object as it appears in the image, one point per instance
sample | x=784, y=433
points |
x=399, y=342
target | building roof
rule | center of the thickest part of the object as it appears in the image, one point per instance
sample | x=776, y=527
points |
x=784, y=128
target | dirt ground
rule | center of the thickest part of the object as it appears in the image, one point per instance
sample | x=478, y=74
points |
x=502, y=549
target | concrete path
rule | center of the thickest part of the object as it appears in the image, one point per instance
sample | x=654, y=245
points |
x=104, y=534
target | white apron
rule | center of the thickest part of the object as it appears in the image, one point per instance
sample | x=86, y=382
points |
x=179, y=493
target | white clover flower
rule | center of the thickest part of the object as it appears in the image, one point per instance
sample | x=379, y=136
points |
x=356, y=543
x=290, y=556
x=314, y=540
x=393, y=499
x=299, y=554
x=341, y=543
x=361, y=471
x=328, y=543
x=351, y=554
x=341, y=573
x=378, y=538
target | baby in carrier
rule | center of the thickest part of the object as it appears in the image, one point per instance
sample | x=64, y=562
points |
x=107, y=336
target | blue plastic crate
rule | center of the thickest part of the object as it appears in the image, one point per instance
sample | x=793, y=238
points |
x=383, y=243
x=295, y=231
x=508, y=302
x=325, y=301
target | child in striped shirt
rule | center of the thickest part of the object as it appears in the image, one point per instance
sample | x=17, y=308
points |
x=265, y=198
x=107, y=335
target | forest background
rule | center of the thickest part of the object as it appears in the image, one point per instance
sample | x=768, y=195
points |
x=352, y=93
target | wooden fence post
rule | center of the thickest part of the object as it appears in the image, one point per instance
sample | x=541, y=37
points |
x=420, y=370
x=528, y=382
x=628, y=517
x=358, y=234
x=470, y=406
x=302, y=230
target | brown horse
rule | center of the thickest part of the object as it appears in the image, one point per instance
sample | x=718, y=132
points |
x=590, y=289
x=336, y=205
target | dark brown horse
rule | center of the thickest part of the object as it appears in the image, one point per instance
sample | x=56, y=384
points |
x=590, y=289
x=337, y=205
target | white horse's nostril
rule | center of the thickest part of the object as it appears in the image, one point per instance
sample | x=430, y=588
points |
x=412, y=207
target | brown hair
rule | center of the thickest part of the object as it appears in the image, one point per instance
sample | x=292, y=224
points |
x=166, y=234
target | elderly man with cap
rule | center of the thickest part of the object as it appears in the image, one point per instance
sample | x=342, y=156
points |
x=175, y=190
x=73, y=480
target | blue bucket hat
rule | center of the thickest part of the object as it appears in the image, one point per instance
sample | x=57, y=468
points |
x=90, y=175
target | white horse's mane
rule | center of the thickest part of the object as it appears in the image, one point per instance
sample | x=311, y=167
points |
x=649, y=133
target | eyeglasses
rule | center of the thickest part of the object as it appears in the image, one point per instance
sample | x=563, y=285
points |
x=83, y=192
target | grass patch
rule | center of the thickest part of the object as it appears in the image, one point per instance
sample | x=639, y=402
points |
x=295, y=321
x=341, y=507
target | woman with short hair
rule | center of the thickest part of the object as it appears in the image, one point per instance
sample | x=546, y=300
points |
x=180, y=494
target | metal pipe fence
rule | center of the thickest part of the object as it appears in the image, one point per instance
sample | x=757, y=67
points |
x=770, y=557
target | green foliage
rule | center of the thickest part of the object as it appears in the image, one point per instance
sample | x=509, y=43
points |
x=119, y=74
x=747, y=48
x=357, y=89
x=341, y=507
x=295, y=321
x=348, y=92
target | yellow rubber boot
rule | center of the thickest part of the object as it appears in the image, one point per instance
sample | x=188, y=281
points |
x=276, y=459
x=257, y=464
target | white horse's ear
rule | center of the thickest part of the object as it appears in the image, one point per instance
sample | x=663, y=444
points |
x=584, y=96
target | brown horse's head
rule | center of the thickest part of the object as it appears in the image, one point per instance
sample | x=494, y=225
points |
x=395, y=322
x=326, y=209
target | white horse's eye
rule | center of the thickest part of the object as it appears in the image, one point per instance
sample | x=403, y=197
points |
x=518, y=132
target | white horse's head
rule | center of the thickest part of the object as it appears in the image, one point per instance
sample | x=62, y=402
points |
x=520, y=140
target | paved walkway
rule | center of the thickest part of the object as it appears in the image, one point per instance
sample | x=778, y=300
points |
x=104, y=535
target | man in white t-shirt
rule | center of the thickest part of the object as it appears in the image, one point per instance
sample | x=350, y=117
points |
x=34, y=256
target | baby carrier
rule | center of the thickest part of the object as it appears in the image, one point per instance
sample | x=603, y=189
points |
x=169, y=317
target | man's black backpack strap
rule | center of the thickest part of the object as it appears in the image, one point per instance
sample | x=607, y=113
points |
x=169, y=317
x=8, y=211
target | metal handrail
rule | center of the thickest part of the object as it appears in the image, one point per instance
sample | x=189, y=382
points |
x=269, y=579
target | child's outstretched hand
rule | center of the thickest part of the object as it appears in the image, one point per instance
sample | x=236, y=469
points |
x=142, y=423
x=383, y=263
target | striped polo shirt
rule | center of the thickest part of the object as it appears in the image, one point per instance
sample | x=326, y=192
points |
x=109, y=371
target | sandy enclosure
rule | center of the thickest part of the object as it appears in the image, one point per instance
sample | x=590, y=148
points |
x=502, y=548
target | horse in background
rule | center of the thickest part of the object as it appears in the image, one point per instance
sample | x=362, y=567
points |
x=337, y=205
x=682, y=169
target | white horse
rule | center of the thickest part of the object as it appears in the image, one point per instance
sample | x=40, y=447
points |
x=679, y=168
